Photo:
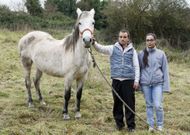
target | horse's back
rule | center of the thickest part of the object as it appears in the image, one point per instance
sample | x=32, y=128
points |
x=30, y=39
x=33, y=37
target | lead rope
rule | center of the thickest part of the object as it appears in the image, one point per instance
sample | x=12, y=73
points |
x=96, y=65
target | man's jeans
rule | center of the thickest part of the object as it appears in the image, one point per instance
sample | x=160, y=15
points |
x=154, y=97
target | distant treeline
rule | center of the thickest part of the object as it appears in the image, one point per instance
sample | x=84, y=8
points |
x=168, y=19
x=24, y=21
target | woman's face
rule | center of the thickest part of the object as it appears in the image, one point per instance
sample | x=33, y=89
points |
x=150, y=41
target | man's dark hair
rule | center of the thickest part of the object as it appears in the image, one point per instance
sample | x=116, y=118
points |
x=125, y=31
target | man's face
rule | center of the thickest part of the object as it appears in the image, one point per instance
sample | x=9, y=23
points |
x=123, y=38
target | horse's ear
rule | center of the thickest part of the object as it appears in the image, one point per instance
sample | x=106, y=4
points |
x=79, y=12
x=92, y=11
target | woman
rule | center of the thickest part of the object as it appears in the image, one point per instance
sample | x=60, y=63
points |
x=154, y=79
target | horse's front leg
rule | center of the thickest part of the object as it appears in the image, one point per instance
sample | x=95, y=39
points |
x=67, y=95
x=78, y=98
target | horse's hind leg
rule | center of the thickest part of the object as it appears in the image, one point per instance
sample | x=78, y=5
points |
x=27, y=64
x=78, y=98
x=37, y=85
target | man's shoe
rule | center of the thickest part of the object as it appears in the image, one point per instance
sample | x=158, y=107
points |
x=131, y=130
x=119, y=128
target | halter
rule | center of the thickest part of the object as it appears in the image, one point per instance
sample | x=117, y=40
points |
x=87, y=29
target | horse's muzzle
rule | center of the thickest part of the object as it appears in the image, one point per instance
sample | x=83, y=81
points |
x=87, y=42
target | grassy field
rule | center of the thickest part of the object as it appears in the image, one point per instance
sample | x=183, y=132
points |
x=96, y=105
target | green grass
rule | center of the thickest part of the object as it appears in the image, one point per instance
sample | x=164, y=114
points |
x=96, y=105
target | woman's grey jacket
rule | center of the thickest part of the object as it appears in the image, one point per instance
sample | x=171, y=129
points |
x=157, y=70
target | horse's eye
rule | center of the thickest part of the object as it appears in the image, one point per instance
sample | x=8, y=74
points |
x=93, y=23
x=79, y=23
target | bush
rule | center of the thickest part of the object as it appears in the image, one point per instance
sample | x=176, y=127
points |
x=21, y=20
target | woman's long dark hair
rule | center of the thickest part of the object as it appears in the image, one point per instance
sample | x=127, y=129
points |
x=145, y=57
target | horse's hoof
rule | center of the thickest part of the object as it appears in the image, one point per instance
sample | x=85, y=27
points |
x=77, y=115
x=30, y=105
x=43, y=103
x=66, y=116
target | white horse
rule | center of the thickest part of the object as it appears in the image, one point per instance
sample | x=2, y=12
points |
x=68, y=58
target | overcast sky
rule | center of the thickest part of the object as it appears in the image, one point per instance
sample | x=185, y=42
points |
x=18, y=4
x=11, y=2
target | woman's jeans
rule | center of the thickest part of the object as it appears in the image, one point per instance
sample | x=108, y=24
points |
x=154, y=97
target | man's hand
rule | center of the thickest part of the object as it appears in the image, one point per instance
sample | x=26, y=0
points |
x=136, y=85
x=93, y=41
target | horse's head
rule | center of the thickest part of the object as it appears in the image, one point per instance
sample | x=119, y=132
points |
x=86, y=25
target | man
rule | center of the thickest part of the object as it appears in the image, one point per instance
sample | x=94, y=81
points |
x=125, y=77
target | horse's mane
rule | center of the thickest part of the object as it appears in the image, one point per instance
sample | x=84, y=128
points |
x=72, y=39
